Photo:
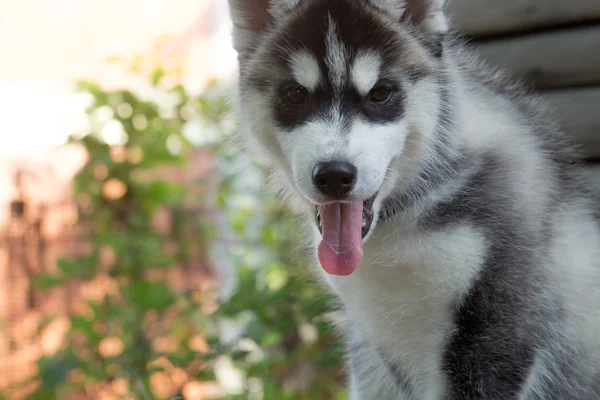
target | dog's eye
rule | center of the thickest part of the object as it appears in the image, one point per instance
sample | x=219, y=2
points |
x=295, y=94
x=380, y=93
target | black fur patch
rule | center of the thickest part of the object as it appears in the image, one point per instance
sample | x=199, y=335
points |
x=348, y=103
x=493, y=348
x=499, y=324
x=360, y=30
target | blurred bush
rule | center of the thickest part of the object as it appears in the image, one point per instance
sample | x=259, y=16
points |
x=144, y=338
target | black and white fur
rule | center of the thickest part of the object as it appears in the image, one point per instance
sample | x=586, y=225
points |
x=481, y=271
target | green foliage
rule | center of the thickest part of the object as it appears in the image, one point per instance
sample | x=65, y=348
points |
x=283, y=345
x=285, y=332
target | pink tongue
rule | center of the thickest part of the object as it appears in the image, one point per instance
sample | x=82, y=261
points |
x=340, y=250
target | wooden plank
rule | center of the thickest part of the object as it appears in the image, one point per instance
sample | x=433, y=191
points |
x=489, y=17
x=578, y=111
x=562, y=58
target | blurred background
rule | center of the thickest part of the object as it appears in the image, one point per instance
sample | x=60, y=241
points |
x=140, y=257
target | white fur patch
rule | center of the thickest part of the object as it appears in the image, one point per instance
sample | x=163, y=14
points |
x=336, y=54
x=329, y=138
x=437, y=23
x=365, y=72
x=400, y=295
x=306, y=70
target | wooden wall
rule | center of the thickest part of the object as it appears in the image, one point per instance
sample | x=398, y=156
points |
x=554, y=44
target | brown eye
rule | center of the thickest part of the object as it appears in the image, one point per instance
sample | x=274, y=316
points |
x=295, y=95
x=380, y=93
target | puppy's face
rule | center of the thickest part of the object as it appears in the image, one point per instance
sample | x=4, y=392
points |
x=340, y=94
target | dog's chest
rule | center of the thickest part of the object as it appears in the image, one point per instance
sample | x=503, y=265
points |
x=402, y=295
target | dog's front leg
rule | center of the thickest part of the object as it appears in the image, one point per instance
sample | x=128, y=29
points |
x=370, y=378
x=495, y=344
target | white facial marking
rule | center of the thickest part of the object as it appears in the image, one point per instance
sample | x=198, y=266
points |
x=370, y=147
x=336, y=55
x=365, y=72
x=306, y=70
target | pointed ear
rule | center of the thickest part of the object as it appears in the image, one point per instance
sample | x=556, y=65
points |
x=250, y=18
x=427, y=15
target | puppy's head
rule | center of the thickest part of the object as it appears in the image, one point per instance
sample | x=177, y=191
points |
x=340, y=96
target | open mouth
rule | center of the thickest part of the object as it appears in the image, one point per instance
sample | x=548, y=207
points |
x=367, y=216
x=343, y=226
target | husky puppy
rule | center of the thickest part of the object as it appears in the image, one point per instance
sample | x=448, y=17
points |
x=449, y=214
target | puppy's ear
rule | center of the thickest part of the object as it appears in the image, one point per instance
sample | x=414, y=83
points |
x=427, y=15
x=252, y=17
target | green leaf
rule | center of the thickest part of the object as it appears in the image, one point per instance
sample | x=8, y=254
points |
x=47, y=281
x=42, y=393
x=149, y=295
x=157, y=76
x=85, y=325
x=255, y=331
x=54, y=370
x=160, y=262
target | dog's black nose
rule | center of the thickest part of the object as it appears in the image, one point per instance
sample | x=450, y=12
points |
x=334, y=178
